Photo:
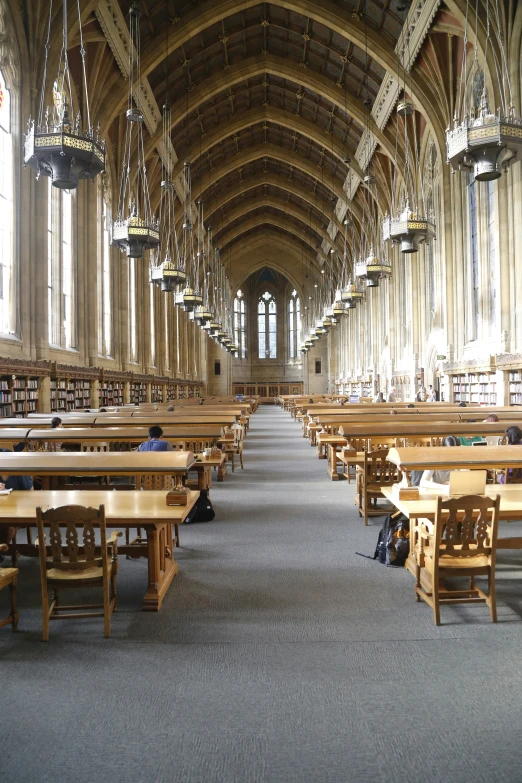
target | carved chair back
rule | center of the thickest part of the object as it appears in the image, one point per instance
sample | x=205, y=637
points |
x=71, y=541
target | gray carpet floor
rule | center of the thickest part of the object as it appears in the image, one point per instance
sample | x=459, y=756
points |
x=279, y=656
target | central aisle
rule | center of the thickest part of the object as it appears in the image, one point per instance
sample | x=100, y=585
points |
x=276, y=654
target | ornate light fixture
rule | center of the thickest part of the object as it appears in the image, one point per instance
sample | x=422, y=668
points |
x=58, y=146
x=483, y=140
x=372, y=270
x=407, y=225
x=135, y=229
x=167, y=267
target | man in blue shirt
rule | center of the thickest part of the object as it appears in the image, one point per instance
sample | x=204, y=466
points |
x=155, y=441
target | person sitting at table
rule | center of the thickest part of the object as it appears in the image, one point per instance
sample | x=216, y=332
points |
x=393, y=413
x=492, y=440
x=513, y=438
x=170, y=408
x=462, y=405
x=56, y=423
x=436, y=479
x=7, y=534
x=155, y=441
x=464, y=441
x=380, y=397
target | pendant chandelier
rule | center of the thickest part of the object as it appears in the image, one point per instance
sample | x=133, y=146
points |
x=167, y=268
x=369, y=268
x=188, y=298
x=58, y=145
x=408, y=223
x=350, y=293
x=483, y=140
x=135, y=229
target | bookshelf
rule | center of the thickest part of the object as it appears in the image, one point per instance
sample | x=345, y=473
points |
x=110, y=394
x=515, y=387
x=362, y=387
x=138, y=392
x=18, y=396
x=171, y=392
x=156, y=392
x=182, y=391
x=68, y=394
x=479, y=388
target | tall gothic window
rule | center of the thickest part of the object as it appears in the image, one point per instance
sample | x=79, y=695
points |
x=294, y=325
x=104, y=285
x=267, y=326
x=473, y=226
x=240, y=324
x=67, y=270
x=61, y=268
x=492, y=253
x=50, y=266
x=6, y=206
x=152, y=289
x=133, y=326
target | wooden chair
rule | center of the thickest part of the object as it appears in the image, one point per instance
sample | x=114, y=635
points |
x=461, y=542
x=377, y=472
x=414, y=441
x=9, y=578
x=72, y=561
x=95, y=445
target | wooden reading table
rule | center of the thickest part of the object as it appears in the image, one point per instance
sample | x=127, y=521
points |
x=426, y=506
x=116, y=463
x=455, y=458
x=147, y=510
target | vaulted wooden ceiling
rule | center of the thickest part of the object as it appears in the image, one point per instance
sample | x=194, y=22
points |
x=270, y=100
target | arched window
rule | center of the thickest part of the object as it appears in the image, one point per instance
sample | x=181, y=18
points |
x=240, y=324
x=6, y=206
x=294, y=325
x=267, y=326
x=104, y=284
x=133, y=326
x=61, y=267
x=474, y=258
x=152, y=314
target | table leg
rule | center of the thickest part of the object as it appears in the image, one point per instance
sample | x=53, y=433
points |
x=162, y=568
x=222, y=469
x=332, y=462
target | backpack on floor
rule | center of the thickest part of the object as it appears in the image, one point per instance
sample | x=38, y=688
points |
x=202, y=511
x=393, y=541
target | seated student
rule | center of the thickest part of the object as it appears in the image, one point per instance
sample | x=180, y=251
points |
x=513, y=438
x=411, y=405
x=464, y=441
x=56, y=423
x=7, y=534
x=462, y=405
x=103, y=410
x=155, y=441
x=435, y=479
x=170, y=408
x=380, y=398
x=492, y=440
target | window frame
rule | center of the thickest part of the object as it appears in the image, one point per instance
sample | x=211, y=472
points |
x=267, y=319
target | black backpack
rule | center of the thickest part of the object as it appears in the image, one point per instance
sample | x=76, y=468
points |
x=393, y=542
x=202, y=511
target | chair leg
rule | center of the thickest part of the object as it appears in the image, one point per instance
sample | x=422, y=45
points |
x=106, y=608
x=436, y=602
x=14, y=606
x=45, y=617
x=492, y=597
